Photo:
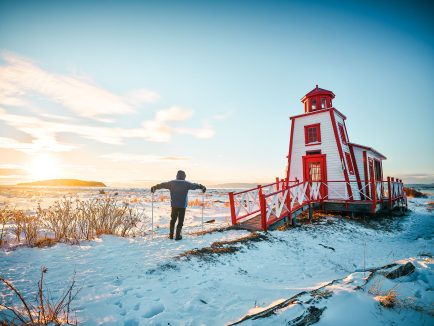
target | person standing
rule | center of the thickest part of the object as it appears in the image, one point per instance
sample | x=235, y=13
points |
x=179, y=200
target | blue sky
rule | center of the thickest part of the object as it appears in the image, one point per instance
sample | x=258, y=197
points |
x=130, y=91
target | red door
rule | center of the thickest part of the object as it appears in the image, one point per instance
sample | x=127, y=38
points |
x=315, y=170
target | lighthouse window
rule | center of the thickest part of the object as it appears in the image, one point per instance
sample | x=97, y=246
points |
x=313, y=104
x=349, y=163
x=343, y=135
x=312, y=134
x=323, y=102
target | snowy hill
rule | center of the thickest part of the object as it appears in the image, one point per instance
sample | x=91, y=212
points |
x=220, y=277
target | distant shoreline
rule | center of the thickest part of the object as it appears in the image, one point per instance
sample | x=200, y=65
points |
x=62, y=183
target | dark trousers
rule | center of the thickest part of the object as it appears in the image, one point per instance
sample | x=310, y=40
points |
x=177, y=214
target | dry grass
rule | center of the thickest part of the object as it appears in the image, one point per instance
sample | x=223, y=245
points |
x=43, y=311
x=222, y=247
x=388, y=300
x=4, y=219
x=72, y=220
x=411, y=192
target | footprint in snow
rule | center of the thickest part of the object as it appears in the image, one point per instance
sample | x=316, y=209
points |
x=153, y=310
x=131, y=322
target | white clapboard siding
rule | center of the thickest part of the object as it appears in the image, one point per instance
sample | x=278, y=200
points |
x=358, y=154
x=346, y=149
x=328, y=146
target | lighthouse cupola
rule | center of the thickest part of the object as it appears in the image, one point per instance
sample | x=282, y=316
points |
x=317, y=99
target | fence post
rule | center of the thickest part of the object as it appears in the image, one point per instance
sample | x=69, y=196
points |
x=393, y=190
x=310, y=212
x=232, y=203
x=288, y=202
x=263, y=205
x=389, y=194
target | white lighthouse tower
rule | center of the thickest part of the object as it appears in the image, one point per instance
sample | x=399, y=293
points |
x=320, y=150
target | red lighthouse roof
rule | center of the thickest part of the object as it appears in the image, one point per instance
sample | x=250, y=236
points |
x=317, y=99
x=318, y=91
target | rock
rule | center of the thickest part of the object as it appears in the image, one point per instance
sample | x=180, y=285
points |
x=411, y=192
x=311, y=316
x=402, y=270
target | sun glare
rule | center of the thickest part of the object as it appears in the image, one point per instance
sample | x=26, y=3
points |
x=43, y=167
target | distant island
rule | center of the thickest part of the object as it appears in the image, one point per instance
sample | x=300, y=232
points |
x=63, y=183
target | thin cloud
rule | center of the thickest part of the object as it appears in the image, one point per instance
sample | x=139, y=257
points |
x=7, y=172
x=20, y=77
x=141, y=96
x=77, y=94
x=174, y=113
x=221, y=117
x=204, y=132
x=45, y=133
x=125, y=157
x=38, y=145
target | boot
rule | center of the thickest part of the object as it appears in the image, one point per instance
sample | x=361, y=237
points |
x=171, y=231
x=178, y=234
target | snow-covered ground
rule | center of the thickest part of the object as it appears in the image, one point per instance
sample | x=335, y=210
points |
x=140, y=281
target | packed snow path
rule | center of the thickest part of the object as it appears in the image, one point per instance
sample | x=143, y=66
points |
x=138, y=281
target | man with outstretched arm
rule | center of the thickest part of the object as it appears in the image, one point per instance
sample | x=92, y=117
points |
x=179, y=201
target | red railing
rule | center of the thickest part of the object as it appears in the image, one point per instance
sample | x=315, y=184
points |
x=245, y=204
x=277, y=200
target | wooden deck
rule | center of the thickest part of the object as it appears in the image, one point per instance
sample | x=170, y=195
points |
x=281, y=202
x=254, y=223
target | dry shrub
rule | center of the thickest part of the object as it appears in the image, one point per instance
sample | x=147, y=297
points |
x=44, y=242
x=73, y=220
x=86, y=219
x=388, y=300
x=4, y=219
x=411, y=192
x=18, y=218
x=25, y=224
x=199, y=203
x=44, y=311
x=59, y=218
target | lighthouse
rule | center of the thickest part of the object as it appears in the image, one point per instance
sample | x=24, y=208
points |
x=325, y=171
x=320, y=151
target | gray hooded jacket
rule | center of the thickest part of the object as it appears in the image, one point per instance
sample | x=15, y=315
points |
x=179, y=189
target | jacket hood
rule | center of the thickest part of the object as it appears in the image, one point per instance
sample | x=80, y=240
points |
x=180, y=175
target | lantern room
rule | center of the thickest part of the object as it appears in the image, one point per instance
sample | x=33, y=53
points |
x=317, y=99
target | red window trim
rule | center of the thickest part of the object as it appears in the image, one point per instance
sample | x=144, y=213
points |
x=349, y=163
x=318, y=134
x=342, y=132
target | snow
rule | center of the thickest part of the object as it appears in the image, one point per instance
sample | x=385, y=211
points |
x=139, y=281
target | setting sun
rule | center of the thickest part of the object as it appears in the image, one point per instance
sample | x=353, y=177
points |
x=43, y=167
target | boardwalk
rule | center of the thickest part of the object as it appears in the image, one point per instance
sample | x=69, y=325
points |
x=267, y=207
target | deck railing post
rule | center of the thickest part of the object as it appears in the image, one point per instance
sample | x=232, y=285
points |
x=310, y=212
x=389, y=194
x=401, y=192
x=288, y=202
x=277, y=184
x=263, y=205
x=232, y=203
x=374, y=194
x=392, y=180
